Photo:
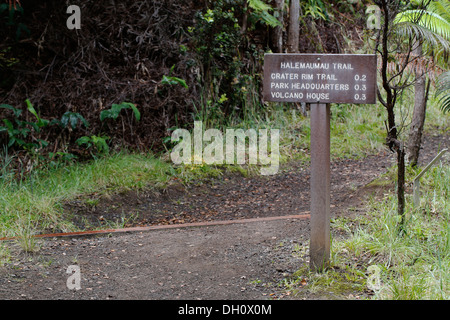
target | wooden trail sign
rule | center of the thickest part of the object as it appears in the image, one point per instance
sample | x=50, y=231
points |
x=320, y=79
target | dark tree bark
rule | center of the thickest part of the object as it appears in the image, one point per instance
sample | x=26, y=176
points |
x=420, y=104
x=401, y=183
x=277, y=35
x=294, y=26
x=390, y=8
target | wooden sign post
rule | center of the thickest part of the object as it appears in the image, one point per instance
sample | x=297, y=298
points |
x=320, y=183
x=320, y=79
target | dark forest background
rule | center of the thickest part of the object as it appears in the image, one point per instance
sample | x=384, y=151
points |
x=167, y=59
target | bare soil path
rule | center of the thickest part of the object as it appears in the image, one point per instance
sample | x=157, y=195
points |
x=234, y=261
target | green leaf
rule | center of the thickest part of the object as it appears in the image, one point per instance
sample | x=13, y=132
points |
x=427, y=19
x=173, y=81
x=40, y=122
x=72, y=118
x=64, y=121
x=83, y=140
x=259, y=5
x=100, y=144
x=43, y=142
x=270, y=19
x=105, y=114
x=443, y=91
x=12, y=140
x=113, y=113
x=9, y=125
x=31, y=108
x=136, y=112
x=17, y=112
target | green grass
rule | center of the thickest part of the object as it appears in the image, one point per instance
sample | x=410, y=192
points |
x=413, y=264
x=417, y=262
x=35, y=204
x=355, y=130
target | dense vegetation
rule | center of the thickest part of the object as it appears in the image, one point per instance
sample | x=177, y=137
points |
x=175, y=61
x=91, y=111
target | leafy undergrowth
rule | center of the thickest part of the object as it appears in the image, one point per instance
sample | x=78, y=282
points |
x=33, y=202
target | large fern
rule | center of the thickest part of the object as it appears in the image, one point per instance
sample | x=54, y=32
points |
x=430, y=25
x=262, y=9
x=441, y=7
x=432, y=21
x=443, y=91
x=259, y=5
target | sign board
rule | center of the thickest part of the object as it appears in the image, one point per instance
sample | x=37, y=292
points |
x=320, y=78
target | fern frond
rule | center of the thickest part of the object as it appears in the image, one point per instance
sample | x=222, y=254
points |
x=262, y=10
x=408, y=29
x=270, y=19
x=259, y=5
x=441, y=7
x=443, y=90
x=427, y=19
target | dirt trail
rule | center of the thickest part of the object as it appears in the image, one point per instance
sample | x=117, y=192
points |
x=237, y=261
x=231, y=197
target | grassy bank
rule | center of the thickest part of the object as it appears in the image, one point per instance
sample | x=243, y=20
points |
x=377, y=258
x=37, y=201
x=35, y=204
x=414, y=264
x=376, y=261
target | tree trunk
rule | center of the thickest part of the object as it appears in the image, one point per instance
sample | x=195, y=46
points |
x=401, y=185
x=294, y=26
x=389, y=11
x=277, y=35
x=418, y=119
x=245, y=20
